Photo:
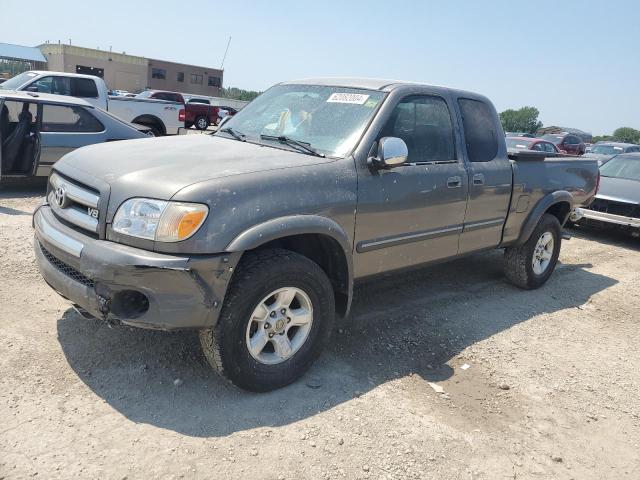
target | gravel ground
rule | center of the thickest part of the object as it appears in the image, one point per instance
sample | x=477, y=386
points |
x=551, y=390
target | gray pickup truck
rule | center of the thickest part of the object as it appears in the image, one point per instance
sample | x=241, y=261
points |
x=256, y=235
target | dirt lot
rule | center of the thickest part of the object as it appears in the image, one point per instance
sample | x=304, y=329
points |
x=552, y=390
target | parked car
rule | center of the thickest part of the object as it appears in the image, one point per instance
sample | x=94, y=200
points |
x=566, y=143
x=255, y=235
x=201, y=113
x=605, y=151
x=617, y=203
x=535, y=144
x=37, y=129
x=162, y=95
x=162, y=117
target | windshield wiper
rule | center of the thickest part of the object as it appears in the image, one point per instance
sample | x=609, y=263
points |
x=234, y=134
x=294, y=143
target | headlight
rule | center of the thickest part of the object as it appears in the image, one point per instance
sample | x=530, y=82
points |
x=159, y=220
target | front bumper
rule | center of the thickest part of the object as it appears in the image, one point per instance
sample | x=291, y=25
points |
x=129, y=285
x=606, y=217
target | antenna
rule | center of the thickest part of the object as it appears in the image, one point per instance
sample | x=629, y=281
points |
x=225, y=54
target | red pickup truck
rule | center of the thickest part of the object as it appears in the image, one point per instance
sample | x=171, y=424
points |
x=198, y=111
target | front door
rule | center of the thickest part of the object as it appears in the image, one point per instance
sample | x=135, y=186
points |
x=20, y=140
x=413, y=213
x=490, y=177
x=63, y=129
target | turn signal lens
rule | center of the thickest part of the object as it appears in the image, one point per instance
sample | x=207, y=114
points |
x=189, y=224
x=180, y=220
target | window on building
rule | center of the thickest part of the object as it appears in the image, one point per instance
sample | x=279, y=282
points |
x=181, y=76
x=98, y=72
x=60, y=118
x=214, y=81
x=197, y=79
x=159, y=73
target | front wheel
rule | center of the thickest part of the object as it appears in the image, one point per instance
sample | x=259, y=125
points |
x=530, y=265
x=276, y=318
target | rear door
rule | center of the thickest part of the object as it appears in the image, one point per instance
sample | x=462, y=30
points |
x=64, y=128
x=490, y=177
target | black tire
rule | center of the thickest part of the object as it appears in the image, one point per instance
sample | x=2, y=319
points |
x=518, y=261
x=258, y=274
x=201, y=123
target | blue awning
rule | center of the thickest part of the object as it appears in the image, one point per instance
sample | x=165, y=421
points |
x=19, y=52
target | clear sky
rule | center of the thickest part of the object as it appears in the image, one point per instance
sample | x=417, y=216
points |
x=578, y=62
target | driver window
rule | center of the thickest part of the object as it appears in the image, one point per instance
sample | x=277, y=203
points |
x=56, y=85
x=424, y=123
x=61, y=118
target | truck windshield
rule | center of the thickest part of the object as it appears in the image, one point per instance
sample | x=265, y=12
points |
x=621, y=167
x=607, y=150
x=328, y=119
x=17, y=81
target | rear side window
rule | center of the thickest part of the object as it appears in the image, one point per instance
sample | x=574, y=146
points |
x=60, y=118
x=83, y=88
x=480, y=132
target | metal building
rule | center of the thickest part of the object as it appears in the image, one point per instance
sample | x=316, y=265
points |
x=15, y=59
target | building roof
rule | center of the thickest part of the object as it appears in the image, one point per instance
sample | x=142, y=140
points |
x=20, y=52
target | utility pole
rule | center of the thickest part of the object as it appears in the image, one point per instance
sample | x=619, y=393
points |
x=225, y=54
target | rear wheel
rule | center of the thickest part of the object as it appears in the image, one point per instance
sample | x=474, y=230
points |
x=531, y=264
x=276, y=318
x=202, y=123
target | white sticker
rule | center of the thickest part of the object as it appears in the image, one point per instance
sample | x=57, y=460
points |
x=353, y=98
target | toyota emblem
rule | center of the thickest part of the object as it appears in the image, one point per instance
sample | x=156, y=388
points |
x=60, y=196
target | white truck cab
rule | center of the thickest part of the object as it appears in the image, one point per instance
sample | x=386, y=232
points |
x=162, y=117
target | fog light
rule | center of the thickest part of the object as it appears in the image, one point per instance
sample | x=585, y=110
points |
x=129, y=304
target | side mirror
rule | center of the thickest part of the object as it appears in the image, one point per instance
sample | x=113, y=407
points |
x=392, y=152
x=32, y=88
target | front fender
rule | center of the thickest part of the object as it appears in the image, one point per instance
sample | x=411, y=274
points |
x=543, y=205
x=288, y=226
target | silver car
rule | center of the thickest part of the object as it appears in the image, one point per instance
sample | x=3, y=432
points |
x=37, y=129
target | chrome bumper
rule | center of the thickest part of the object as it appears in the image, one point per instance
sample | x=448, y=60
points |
x=606, y=217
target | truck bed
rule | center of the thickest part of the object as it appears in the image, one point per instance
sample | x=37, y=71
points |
x=535, y=177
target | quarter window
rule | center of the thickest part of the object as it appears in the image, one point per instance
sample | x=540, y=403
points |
x=424, y=123
x=61, y=118
x=479, y=122
x=83, y=88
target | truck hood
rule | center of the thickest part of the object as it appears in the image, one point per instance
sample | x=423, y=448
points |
x=160, y=167
x=619, y=190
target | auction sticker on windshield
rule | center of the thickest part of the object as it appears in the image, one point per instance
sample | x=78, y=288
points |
x=354, y=98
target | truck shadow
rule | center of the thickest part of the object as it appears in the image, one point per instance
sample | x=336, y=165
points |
x=410, y=323
x=607, y=236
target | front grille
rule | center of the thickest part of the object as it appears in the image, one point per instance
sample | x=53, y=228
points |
x=68, y=270
x=74, y=204
x=615, y=208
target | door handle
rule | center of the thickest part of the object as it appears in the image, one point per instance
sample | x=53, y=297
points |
x=454, y=182
x=478, y=179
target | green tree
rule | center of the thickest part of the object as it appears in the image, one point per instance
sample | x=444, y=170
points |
x=522, y=120
x=627, y=135
x=239, y=94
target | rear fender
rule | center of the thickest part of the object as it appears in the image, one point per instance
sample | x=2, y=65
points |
x=543, y=205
